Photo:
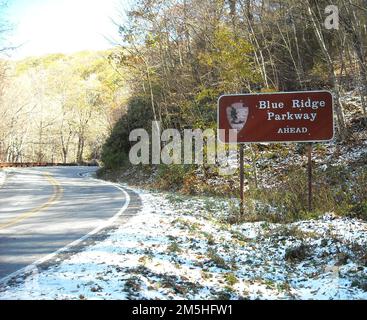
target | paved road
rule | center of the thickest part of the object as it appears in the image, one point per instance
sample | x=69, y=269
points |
x=45, y=209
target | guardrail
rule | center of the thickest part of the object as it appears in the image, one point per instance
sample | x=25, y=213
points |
x=42, y=164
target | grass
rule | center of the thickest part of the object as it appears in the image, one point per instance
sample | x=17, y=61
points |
x=298, y=253
x=174, y=247
x=338, y=189
x=132, y=285
x=206, y=275
x=360, y=283
x=292, y=232
x=270, y=284
x=239, y=237
x=230, y=279
x=217, y=260
x=209, y=238
x=144, y=260
x=284, y=286
x=224, y=295
x=193, y=227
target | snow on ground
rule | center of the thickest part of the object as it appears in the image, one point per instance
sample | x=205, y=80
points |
x=183, y=248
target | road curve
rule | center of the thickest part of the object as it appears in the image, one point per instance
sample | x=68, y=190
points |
x=45, y=209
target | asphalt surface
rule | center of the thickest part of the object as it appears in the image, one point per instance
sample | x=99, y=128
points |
x=45, y=209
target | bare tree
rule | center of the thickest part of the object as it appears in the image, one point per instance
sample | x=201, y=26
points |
x=317, y=25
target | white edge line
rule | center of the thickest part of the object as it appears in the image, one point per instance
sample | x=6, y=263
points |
x=31, y=267
x=2, y=182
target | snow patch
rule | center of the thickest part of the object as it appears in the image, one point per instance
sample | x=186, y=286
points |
x=182, y=248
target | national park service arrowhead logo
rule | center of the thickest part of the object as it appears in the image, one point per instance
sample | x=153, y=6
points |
x=237, y=115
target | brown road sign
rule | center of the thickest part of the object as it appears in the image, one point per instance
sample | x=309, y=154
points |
x=277, y=117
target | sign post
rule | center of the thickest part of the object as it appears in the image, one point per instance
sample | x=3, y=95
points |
x=305, y=116
x=309, y=156
x=242, y=180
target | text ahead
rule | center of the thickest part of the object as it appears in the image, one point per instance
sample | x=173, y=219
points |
x=276, y=117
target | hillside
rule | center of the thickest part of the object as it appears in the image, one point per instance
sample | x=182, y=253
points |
x=161, y=214
x=59, y=108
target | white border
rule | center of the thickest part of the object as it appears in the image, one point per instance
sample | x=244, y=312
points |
x=275, y=93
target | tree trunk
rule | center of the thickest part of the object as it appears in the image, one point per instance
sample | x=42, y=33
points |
x=343, y=132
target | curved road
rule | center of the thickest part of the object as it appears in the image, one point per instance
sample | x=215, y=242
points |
x=45, y=209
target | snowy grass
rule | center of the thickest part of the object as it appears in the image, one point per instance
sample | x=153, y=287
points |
x=182, y=248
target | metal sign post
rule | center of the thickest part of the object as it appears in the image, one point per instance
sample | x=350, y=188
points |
x=309, y=154
x=303, y=116
x=242, y=179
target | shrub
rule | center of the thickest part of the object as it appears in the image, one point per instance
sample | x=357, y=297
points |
x=174, y=247
x=230, y=278
x=172, y=177
x=116, y=149
x=217, y=260
x=338, y=190
x=297, y=254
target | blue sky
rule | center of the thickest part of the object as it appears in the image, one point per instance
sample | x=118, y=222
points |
x=62, y=26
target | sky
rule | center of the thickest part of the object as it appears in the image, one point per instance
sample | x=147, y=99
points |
x=62, y=26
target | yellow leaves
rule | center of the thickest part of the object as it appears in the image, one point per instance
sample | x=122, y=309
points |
x=231, y=58
x=206, y=59
x=206, y=94
x=152, y=40
x=269, y=90
x=43, y=62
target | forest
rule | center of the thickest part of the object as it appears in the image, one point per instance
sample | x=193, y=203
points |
x=182, y=55
x=173, y=61
x=58, y=108
x=171, y=231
